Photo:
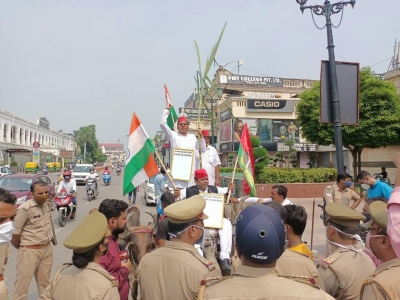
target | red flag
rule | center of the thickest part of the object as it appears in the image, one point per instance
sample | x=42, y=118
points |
x=246, y=161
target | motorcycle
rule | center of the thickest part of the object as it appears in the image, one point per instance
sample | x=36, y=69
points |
x=66, y=209
x=106, y=178
x=91, y=190
x=45, y=171
x=118, y=171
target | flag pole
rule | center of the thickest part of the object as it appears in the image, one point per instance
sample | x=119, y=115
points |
x=162, y=164
x=233, y=178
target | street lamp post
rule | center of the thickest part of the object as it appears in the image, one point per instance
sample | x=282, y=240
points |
x=327, y=10
x=212, y=101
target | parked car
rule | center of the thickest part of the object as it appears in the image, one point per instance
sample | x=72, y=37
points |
x=5, y=171
x=80, y=172
x=20, y=185
x=149, y=193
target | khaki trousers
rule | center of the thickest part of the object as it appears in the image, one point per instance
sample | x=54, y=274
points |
x=32, y=262
x=3, y=290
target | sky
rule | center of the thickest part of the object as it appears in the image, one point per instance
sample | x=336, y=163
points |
x=82, y=62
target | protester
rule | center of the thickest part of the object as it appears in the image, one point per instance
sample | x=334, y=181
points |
x=7, y=214
x=279, y=194
x=32, y=237
x=225, y=233
x=260, y=241
x=84, y=278
x=297, y=259
x=211, y=161
x=393, y=211
x=115, y=212
x=344, y=270
x=162, y=227
x=384, y=283
x=175, y=270
x=341, y=192
x=374, y=187
x=183, y=139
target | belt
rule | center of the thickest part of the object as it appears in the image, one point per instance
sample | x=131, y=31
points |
x=40, y=246
x=1, y=277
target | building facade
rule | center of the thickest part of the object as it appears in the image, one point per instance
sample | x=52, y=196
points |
x=114, y=151
x=17, y=136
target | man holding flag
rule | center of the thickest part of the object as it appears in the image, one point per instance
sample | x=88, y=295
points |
x=181, y=139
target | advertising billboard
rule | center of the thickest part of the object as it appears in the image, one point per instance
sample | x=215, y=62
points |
x=225, y=131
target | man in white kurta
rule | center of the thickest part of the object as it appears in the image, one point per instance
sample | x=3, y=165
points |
x=210, y=161
x=184, y=140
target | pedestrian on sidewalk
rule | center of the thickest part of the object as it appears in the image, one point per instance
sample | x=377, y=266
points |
x=132, y=195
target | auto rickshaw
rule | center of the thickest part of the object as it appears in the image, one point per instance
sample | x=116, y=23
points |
x=31, y=167
x=51, y=167
x=57, y=167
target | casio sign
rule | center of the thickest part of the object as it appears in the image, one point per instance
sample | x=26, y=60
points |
x=266, y=104
x=270, y=105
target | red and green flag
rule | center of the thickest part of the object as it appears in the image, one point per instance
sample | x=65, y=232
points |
x=173, y=117
x=246, y=162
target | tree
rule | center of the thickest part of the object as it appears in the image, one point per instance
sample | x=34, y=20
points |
x=87, y=142
x=379, y=115
x=261, y=157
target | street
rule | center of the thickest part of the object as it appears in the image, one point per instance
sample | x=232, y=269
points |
x=62, y=254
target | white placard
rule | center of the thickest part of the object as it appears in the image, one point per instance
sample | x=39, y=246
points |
x=182, y=163
x=214, y=209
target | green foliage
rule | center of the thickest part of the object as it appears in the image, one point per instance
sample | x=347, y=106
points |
x=229, y=170
x=13, y=163
x=379, y=114
x=88, y=134
x=278, y=175
x=261, y=158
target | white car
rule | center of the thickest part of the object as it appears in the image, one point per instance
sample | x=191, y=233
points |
x=80, y=172
x=5, y=171
x=149, y=193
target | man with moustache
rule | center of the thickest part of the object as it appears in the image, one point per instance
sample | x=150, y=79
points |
x=115, y=212
x=32, y=237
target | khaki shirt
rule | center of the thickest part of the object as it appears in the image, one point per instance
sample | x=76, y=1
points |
x=92, y=282
x=262, y=283
x=386, y=277
x=173, y=271
x=295, y=263
x=345, y=268
x=339, y=196
x=32, y=223
x=4, y=254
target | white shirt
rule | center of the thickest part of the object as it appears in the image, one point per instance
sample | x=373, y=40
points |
x=210, y=160
x=92, y=176
x=68, y=186
x=188, y=141
x=254, y=200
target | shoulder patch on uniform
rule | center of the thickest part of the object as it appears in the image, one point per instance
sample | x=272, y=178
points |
x=331, y=259
x=302, y=279
x=210, y=265
x=114, y=281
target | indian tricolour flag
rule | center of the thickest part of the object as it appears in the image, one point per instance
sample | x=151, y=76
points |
x=140, y=164
x=173, y=117
x=246, y=162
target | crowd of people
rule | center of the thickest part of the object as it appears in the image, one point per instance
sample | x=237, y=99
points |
x=258, y=253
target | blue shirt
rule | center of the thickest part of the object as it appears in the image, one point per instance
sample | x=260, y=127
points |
x=159, y=184
x=379, y=189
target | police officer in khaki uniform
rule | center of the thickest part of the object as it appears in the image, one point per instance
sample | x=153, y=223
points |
x=175, y=270
x=343, y=272
x=32, y=237
x=384, y=283
x=260, y=241
x=341, y=192
x=7, y=214
x=85, y=278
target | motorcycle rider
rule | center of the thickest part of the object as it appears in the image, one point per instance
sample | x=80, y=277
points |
x=118, y=169
x=93, y=175
x=106, y=170
x=69, y=185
